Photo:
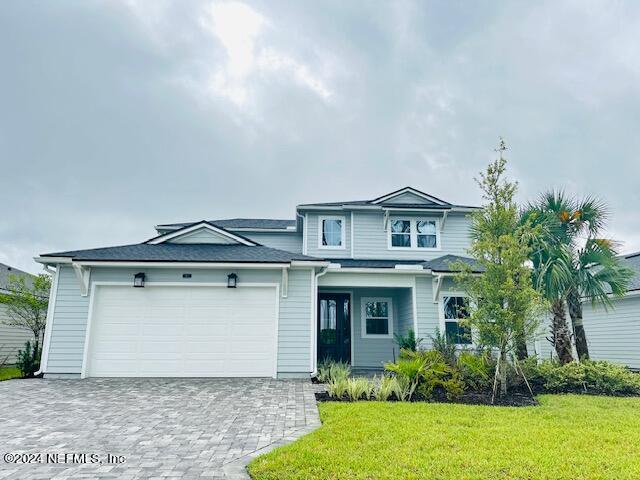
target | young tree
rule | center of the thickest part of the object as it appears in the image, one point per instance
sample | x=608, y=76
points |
x=26, y=305
x=506, y=305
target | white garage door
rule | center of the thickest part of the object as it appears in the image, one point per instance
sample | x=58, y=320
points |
x=182, y=332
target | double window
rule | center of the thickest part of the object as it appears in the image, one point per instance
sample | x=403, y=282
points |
x=377, y=318
x=413, y=233
x=331, y=232
x=455, y=311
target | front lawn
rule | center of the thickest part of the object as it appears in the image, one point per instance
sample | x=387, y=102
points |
x=7, y=373
x=567, y=437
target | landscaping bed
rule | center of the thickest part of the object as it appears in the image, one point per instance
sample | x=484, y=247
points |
x=513, y=399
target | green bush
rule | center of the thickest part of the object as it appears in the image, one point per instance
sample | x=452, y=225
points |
x=359, y=388
x=410, y=342
x=425, y=372
x=589, y=376
x=338, y=388
x=475, y=369
x=440, y=344
x=28, y=360
x=328, y=371
x=386, y=387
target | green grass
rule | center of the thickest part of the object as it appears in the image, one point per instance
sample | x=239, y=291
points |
x=7, y=373
x=568, y=437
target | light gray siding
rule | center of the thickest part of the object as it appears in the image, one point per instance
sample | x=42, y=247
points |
x=69, y=324
x=313, y=234
x=71, y=312
x=614, y=335
x=294, y=328
x=408, y=197
x=289, y=241
x=428, y=320
x=371, y=241
x=12, y=338
x=372, y=352
x=405, y=311
x=203, y=235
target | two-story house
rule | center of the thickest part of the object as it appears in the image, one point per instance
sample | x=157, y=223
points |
x=261, y=297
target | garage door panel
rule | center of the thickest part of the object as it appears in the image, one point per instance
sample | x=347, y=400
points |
x=183, y=331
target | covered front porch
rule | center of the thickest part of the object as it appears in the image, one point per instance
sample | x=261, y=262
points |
x=357, y=320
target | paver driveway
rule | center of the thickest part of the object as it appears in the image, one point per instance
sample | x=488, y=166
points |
x=166, y=428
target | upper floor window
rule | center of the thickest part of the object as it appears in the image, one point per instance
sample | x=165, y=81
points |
x=455, y=310
x=413, y=233
x=331, y=232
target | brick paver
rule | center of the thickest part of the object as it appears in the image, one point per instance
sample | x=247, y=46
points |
x=165, y=428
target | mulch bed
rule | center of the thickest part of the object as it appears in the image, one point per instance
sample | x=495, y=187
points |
x=513, y=399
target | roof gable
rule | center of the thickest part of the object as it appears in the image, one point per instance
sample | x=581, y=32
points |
x=202, y=232
x=408, y=195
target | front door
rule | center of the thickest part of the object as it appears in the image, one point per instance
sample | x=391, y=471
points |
x=334, y=327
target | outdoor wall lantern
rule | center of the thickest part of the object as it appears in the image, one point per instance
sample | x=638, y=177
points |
x=138, y=280
x=232, y=280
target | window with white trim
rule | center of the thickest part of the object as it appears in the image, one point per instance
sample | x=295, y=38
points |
x=426, y=234
x=456, y=310
x=400, y=233
x=377, y=318
x=414, y=233
x=331, y=232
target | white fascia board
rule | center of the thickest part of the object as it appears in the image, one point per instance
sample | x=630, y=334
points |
x=416, y=209
x=266, y=230
x=309, y=263
x=52, y=260
x=339, y=207
x=390, y=271
x=198, y=226
x=409, y=267
x=221, y=265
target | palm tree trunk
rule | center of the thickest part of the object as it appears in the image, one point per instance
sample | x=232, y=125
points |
x=560, y=332
x=575, y=312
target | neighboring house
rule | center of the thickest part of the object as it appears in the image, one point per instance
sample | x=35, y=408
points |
x=614, y=333
x=261, y=297
x=12, y=338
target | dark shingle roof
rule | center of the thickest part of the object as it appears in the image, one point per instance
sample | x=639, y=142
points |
x=183, y=252
x=442, y=264
x=632, y=260
x=438, y=203
x=445, y=264
x=6, y=271
x=231, y=223
x=356, y=263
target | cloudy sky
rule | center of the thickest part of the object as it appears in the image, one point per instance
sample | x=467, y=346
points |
x=115, y=116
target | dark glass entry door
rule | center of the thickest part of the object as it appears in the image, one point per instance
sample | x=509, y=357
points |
x=334, y=327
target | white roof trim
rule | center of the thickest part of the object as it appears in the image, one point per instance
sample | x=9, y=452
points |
x=409, y=190
x=52, y=260
x=198, y=226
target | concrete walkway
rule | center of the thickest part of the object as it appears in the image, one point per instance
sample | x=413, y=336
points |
x=163, y=428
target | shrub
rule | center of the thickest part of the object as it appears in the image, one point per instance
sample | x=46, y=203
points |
x=386, y=387
x=410, y=342
x=589, y=376
x=475, y=369
x=357, y=388
x=425, y=372
x=447, y=350
x=408, y=371
x=337, y=388
x=28, y=360
x=328, y=370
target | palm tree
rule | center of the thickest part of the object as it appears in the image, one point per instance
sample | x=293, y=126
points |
x=572, y=264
